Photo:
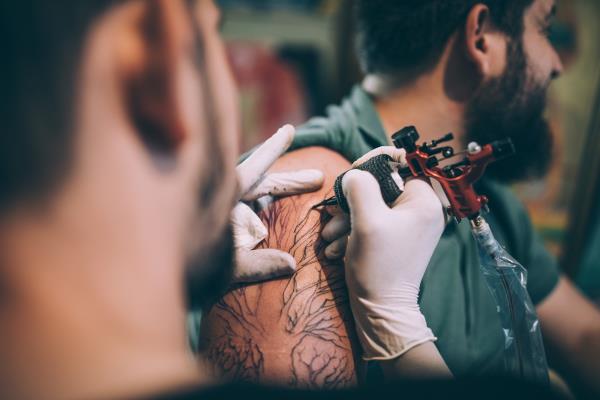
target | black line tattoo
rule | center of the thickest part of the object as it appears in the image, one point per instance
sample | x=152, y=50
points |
x=312, y=318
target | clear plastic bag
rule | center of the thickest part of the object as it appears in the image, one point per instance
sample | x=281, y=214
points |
x=524, y=353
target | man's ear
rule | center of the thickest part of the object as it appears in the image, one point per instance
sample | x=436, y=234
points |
x=149, y=77
x=478, y=39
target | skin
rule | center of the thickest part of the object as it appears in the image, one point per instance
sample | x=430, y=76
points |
x=81, y=318
x=436, y=102
x=294, y=331
x=276, y=365
x=571, y=329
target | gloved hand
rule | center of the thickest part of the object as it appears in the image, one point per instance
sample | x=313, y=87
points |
x=388, y=252
x=255, y=183
x=336, y=231
x=338, y=228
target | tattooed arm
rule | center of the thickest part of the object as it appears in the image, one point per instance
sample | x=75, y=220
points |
x=296, y=332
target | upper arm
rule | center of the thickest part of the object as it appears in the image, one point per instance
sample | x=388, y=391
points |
x=295, y=331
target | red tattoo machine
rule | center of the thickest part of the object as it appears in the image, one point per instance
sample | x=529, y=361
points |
x=456, y=180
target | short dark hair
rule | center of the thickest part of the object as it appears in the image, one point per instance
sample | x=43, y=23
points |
x=401, y=35
x=41, y=44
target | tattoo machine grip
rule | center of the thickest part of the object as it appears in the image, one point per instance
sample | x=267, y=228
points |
x=381, y=168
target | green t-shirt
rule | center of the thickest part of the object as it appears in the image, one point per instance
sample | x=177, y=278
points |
x=454, y=297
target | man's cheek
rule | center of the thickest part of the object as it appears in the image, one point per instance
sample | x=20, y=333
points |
x=539, y=69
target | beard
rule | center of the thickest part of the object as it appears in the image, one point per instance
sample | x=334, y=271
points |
x=512, y=106
x=209, y=272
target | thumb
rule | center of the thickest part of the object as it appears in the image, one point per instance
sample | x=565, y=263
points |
x=363, y=195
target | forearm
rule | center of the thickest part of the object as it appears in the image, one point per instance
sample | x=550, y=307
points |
x=571, y=327
x=421, y=362
x=582, y=357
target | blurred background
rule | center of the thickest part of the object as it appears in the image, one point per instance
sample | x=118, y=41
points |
x=293, y=57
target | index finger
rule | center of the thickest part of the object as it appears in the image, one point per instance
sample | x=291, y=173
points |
x=397, y=155
x=254, y=167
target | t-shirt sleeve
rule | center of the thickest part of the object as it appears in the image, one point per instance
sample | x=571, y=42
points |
x=315, y=132
x=337, y=131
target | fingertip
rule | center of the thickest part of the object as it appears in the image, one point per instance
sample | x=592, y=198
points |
x=281, y=263
x=327, y=234
x=288, y=131
x=263, y=264
x=399, y=155
x=289, y=266
x=336, y=228
x=318, y=175
x=314, y=176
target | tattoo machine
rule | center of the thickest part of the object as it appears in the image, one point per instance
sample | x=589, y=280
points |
x=524, y=354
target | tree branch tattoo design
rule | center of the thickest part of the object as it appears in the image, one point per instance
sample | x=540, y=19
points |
x=312, y=319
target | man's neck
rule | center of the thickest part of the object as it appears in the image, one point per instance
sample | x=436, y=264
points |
x=89, y=317
x=422, y=103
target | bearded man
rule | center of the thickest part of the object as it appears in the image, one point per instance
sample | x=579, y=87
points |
x=479, y=69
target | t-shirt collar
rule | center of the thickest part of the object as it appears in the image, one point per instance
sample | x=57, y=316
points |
x=366, y=115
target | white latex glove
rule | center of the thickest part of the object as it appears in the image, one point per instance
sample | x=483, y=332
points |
x=336, y=231
x=248, y=230
x=388, y=252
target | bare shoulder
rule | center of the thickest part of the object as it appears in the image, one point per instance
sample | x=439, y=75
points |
x=296, y=331
x=330, y=162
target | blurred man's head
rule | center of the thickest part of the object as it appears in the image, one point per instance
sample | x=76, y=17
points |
x=117, y=158
x=123, y=91
x=497, y=49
